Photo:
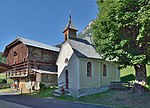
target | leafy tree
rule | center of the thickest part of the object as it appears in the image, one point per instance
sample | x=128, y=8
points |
x=2, y=59
x=0, y=56
x=122, y=32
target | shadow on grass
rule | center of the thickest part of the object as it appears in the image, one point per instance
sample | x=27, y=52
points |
x=131, y=77
x=128, y=78
x=148, y=80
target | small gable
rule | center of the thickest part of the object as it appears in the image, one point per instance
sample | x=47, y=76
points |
x=64, y=56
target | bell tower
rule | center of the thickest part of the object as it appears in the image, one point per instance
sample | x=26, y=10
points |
x=70, y=30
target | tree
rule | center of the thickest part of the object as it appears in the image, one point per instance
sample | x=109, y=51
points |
x=2, y=59
x=122, y=32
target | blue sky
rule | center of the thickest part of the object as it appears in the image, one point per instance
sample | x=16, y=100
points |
x=42, y=20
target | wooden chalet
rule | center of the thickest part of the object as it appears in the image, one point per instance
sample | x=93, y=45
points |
x=31, y=62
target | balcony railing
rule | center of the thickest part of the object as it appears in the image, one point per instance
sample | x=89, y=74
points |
x=19, y=70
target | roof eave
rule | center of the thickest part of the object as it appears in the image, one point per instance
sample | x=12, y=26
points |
x=6, y=50
x=69, y=28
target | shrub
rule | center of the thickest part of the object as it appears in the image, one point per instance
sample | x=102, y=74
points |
x=3, y=81
x=42, y=86
x=4, y=86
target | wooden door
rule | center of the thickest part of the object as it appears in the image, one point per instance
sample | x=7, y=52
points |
x=67, y=80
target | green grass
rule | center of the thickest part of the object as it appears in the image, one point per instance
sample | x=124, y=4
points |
x=6, y=90
x=128, y=74
x=49, y=93
x=3, y=76
x=64, y=97
x=113, y=98
x=130, y=70
x=45, y=93
x=118, y=99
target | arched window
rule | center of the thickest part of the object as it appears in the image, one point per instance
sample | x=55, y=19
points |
x=104, y=70
x=89, y=69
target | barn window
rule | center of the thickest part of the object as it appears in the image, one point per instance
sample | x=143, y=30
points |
x=104, y=70
x=15, y=53
x=89, y=69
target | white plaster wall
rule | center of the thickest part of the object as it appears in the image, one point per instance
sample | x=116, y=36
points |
x=86, y=81
x=97, y=79
x=73, y=72
x=65, y=52
x=112, y=73
x=71, y=66
x=117, y=73
x=28, y=85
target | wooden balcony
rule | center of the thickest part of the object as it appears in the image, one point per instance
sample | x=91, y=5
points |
x=18, y=70
x=20, y=73
x=25, y=68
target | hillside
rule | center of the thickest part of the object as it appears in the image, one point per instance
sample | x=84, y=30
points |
x=87, y=33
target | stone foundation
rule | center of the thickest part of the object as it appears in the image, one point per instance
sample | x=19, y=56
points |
x=86, y=91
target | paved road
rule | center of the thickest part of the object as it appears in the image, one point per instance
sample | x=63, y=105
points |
x=4, y=93
x=31, y=102
x=5, y=104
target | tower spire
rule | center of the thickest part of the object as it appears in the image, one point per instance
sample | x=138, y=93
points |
x=70, y=13
x=70, y=30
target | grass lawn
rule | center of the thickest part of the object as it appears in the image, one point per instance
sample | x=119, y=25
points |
x=6, y=90
x=113, y=98
x=119, y=99
x=3, y=76
x=49, y=93
x=128, y=74
x=45, y=93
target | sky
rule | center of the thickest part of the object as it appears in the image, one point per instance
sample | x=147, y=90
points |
x=42, y=20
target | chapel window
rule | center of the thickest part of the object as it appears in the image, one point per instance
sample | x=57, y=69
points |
x=89, y=69
x=104, y=70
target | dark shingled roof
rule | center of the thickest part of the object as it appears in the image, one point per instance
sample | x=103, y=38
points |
x=30, y=42
x=70, y=25
x=83, y=48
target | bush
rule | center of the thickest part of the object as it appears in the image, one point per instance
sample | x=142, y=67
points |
x=42, y=86
x=3, y=81
x=4, y=86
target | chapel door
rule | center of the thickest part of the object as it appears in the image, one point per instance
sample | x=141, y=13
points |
x=67, y=80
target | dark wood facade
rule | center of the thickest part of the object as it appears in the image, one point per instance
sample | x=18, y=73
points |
x=23, y=58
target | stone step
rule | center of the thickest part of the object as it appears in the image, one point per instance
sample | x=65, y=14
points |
x=68, y=94
x=57, y=91
x=57, y=95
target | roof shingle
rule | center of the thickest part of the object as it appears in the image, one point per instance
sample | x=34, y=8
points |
x=37, y=44
x=83, y=48
x=70, y=25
